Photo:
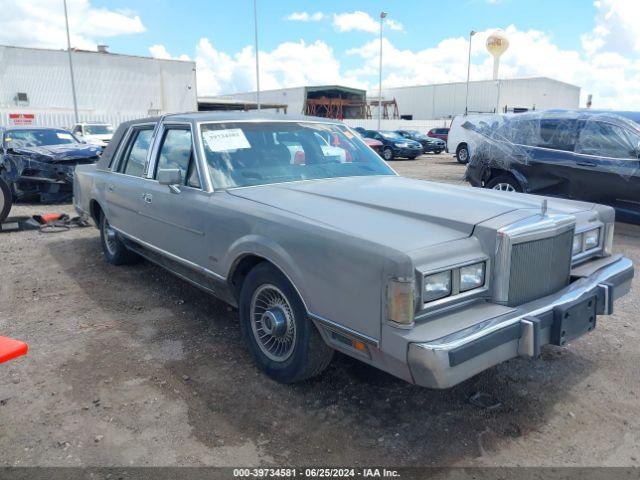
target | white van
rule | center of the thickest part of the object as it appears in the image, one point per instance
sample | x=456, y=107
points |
x=461, y=140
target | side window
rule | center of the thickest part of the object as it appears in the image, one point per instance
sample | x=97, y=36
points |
x=135, y=154
x=607, y=140
x=558, y=134
x=176, y=152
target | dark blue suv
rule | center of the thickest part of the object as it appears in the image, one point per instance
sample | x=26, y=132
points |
x=583, y=155
x=395, y=145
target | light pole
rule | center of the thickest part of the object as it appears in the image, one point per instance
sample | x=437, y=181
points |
x=466, y=101
x=73, y=82
x=382, y=17
x=255, y=21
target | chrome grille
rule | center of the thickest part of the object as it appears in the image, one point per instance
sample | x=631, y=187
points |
x=539, y=267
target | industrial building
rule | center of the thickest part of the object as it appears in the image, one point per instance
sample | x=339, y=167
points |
x=488, y=96
x=421, y=102
x=35, y=86
x=332, y=101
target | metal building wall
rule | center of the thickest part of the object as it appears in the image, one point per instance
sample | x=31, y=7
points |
x=448, y=100
x=294, y=98
x=109, y=86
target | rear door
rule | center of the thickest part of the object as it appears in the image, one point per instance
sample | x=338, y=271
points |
x=125, y=184
x=607, y=164
x=176, y=220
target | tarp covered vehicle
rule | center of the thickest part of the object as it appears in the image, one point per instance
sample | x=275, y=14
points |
x=38, y=164
x=582, y=155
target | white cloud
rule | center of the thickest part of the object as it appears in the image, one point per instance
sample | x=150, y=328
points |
x=305, y=17
x=616, y=28
x=290, y=64
x=161, y=52
x=361, y=21
x=40, y=23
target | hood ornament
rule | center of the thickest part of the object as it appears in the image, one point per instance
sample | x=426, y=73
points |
x=543, y=207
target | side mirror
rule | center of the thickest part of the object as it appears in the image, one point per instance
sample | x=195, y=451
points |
x=172, y=177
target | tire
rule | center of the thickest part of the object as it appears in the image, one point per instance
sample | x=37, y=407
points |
x=462, y=154
x=6, y=200
x=387, y=154
x=303, y=353
x=113, y=248
x=504, y=183
x=437, y=152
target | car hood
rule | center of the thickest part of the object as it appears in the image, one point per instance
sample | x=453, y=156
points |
x=103, y=136
x=397, y=212
x=59, y=153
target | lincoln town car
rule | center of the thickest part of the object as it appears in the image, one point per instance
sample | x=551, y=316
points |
x=328, y=249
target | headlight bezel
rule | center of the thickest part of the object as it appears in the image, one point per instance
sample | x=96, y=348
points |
x=456, y=294
x=581, y=236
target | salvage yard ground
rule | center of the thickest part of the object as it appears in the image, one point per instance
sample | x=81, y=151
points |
x=132, y=366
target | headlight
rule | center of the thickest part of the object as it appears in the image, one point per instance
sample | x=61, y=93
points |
x=437, y=286
x=400, y=305
x=471, y=276
x=591, y=239
x=401, y=145
x=577, y=244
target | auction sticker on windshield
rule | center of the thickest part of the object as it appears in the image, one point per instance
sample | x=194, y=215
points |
x=224, y=140
x=64, y=136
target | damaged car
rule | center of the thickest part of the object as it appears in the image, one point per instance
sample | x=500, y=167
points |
x=429, y=282
x=38, y=164
x=581, y=155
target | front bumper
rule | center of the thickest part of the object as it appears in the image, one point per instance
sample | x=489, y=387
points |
x=407, y=152
x=447, y=361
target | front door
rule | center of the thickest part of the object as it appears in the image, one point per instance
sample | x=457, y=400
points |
x=176, y=219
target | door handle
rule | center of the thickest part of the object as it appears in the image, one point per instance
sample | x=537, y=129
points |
x=587, y=164
x=111, y=188
x=147, y=197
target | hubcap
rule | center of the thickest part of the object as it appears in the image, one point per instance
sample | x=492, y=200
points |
x=110, y=238
x=388, y=154
x=463, y=154
x=272, y=322
x=504, y=187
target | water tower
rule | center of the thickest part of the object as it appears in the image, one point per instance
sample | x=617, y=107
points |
x=497, y=44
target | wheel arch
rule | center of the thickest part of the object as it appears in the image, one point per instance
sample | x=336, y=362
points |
x=96, y=211
x=517, y=176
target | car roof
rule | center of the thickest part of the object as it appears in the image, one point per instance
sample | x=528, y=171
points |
x=236, y=117
x=30, y=127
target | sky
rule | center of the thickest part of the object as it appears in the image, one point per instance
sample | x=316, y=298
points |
x=592, y=44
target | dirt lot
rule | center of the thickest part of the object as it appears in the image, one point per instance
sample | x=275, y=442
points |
x=132, y=366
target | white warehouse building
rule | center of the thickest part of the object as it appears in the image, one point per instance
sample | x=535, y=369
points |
x=446, y=100
x=35, y=86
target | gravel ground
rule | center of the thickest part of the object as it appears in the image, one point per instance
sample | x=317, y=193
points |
x=132, y=366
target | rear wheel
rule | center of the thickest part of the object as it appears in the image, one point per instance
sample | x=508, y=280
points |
x=387, y=154
x=282, y=340
x=504, y=183
x=462, y=153
x=6, y=199
x=114, y=249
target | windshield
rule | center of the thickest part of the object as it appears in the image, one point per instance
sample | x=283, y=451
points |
x=98, y=129
x=244, y=154
x=417, y=134
x=391, y=135
x=38, y=137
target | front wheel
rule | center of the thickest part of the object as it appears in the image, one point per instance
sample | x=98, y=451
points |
x=282, y=340
x=504, y=183
x=462, y=154
x=387, y=154
x=6, y=199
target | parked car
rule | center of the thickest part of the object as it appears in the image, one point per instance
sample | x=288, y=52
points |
x=94, y=133
x=582, y=155
x=37, y=163
x=395, y=145
x=460, y=140
x=434, y=145
x=432, y=283
x=441, y=133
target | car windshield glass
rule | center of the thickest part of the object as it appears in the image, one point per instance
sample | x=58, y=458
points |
x=391, y=135
x=38, y=137
x=244, y=153
x=98, y=129
x=417, y=134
